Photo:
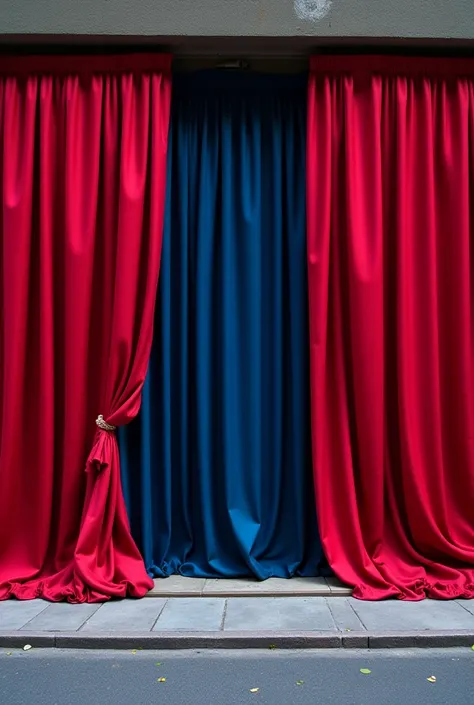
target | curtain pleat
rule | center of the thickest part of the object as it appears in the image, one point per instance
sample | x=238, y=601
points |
x=390, y=227
x=217, y=468
x=83, y=145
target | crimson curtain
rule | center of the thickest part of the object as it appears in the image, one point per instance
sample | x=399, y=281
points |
x=390, y=196
x=82, y=180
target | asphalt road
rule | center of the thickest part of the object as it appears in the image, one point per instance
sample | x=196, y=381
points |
x=53, y=677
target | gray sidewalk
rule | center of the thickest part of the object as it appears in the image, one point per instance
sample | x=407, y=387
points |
x=237, y=622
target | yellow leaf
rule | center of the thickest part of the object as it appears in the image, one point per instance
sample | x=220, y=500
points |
x=472, y=647
x=9, y=653
x=254, y=690
x=158, y=664
x=134, y=651
x=299, y=682
x=161, y=680
x=431, y=679
x=365, y=671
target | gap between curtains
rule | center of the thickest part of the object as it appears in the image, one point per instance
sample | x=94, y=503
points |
x=390, y=202
x=217, y=467
x=83, y=145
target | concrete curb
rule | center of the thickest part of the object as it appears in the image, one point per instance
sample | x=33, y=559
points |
x=237, y=640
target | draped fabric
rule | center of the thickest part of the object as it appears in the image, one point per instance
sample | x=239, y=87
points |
x=217, y=467
x=83, y=146
x=390, y=197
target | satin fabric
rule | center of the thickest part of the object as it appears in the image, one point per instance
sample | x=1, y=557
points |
x=217, y=467
x=390, y=167
x=82, y=181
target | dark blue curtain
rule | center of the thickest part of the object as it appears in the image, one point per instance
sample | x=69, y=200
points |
x=217, y=468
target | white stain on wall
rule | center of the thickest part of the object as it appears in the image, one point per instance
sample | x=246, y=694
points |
x=312, y=10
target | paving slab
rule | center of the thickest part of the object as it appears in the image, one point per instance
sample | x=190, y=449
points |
x=189, y=614
x=338, y=588
x=400, y=615
x=125, y=616
x=177, y=585
x=14, y=614
x=61, y=617
x=467, y=605
x=280, y=613
x=345, y=618
x=271, y=587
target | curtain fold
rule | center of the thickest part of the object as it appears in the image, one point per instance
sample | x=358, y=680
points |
x=390, y=197
x=222, y=445
x=83, y=145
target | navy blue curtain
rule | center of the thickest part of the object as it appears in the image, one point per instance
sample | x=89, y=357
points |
x=217, y=467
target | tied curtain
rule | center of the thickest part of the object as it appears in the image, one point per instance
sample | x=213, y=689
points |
x=217, y=468
x=83, y=145
x=390, y=198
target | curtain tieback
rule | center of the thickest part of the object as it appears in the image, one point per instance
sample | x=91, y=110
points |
x=101, y=423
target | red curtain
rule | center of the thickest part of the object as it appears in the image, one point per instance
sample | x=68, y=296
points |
x=390, y=197
x=83, y=156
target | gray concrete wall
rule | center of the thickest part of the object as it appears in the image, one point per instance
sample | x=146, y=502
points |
x=431, y=19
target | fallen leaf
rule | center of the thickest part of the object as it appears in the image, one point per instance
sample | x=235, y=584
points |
x=158, y=664
x=347, y=630
x=161, y=680
x=9, y=653
x=27, y=647
x=365, y=671
x=472, y=647
x=431, y=679
x=134, y=651
x=272, y=647
x=254, y=690
x=299, y=682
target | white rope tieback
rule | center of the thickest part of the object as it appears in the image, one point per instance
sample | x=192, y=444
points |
x=101, y=423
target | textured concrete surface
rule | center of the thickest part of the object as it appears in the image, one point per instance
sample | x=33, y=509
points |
x=122, y=615
x=60, y=616
x=14, y=614
x=282, y=613
x=206, y=614
x=180, y=640
x=238, y=622
x=395, y=615
x=336, y=587
x=344, y=615
x=280, y=677
x=266, y=18
x=178, y=586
